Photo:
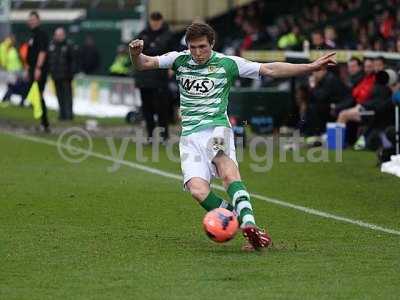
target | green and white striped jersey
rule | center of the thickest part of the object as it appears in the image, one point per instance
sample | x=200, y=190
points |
x=204, y=89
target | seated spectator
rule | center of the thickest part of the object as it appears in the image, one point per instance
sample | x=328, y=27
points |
x=326, y=88
x=378, y=106
x=379, y=64
x=361, y=84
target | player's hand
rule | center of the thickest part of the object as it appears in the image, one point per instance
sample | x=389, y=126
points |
x=328, y=60
x=136, y=47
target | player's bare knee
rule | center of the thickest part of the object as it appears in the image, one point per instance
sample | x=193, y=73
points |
x=199, y=193
x=198, y=189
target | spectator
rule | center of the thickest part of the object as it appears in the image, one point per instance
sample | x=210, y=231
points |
x=13, y=65
x=355, y=69
x=325, y=89
x=121, y=64
x=291, y=40
x=378, y=45
x=376, y=103
x=62, y=66
x=317, y=41
x=251, y=32
x=154, y=84
x=89, y=56
x=301, y=118
x=37, y=62
x=4, y=45
x=361, y=84
x=386, y=27
x=363, y=41
x=379, y=64
x=330, y=37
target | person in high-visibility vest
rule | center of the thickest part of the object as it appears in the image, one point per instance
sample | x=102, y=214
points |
x=12, y=62
x=4, y=45
x=13, y=65
x=122, y=63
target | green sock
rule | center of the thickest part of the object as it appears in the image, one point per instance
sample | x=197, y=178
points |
x=213, y=201
x=241, y=201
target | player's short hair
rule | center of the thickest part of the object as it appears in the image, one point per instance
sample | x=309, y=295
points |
x=34, y=13
x=198, y=30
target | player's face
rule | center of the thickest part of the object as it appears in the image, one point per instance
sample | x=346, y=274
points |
x=200, y=49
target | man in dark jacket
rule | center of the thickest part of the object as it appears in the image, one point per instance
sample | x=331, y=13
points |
x=37, y=65
x=89, y=56
x=154, y=84
x=326, y=89
x=379, y=103
x=62, y=68
x=362, y=81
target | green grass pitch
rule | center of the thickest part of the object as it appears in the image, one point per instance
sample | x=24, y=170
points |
x=78, y=231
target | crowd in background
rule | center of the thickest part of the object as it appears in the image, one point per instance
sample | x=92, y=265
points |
x=364, y=101
x=333, y=24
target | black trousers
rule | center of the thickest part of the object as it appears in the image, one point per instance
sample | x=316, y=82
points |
x=155, y=101
x=64, y=96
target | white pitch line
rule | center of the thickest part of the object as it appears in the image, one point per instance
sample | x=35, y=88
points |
x=159, y=172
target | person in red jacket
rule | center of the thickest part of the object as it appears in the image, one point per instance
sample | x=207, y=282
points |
x=363, y=89
x=362, y=80
x=386, y=27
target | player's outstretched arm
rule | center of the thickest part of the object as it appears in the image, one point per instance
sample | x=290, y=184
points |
x=140, y=61
x=281, y=69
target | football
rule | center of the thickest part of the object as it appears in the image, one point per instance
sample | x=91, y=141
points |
x=220, y=225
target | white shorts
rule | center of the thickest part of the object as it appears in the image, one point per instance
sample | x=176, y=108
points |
x=198, y=149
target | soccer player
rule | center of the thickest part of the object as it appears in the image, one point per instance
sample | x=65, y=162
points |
x=207, y=144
